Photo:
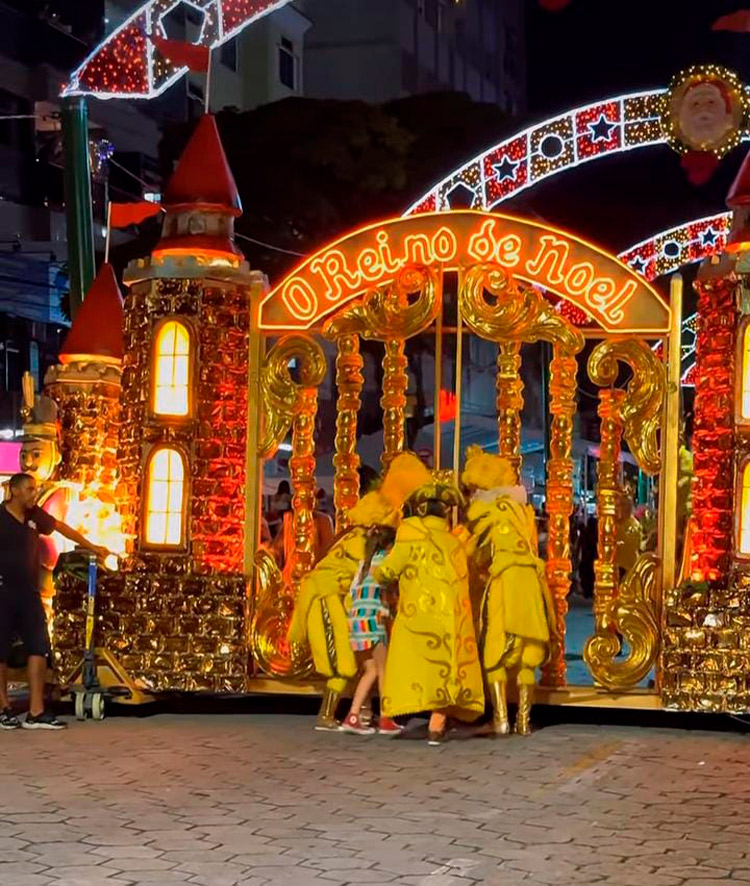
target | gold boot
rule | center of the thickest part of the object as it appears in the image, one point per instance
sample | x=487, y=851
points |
x=523, y=717
x=326, y=719
x=498, y=695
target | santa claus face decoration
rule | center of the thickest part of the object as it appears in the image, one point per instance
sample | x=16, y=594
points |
x=705, y=110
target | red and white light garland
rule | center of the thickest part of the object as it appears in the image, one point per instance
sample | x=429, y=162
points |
x=127, y=64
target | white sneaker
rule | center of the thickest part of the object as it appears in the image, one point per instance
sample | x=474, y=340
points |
x=46, y=720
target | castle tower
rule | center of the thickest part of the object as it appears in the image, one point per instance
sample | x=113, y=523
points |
x=85, y=385
x=738, y=245
x=706, y=654
x=180, y=605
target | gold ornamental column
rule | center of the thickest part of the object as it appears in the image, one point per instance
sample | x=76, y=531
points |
x=349, y=382
x=509, y=403
x=563, y=369
x=302, y=473
x=393, y=401
x=608, y=489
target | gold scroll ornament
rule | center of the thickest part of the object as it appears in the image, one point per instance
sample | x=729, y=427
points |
x=280, y=393
x=273, y=610
x=498, y=308
x=633, y=612
x=285, y=403
x=393, y=313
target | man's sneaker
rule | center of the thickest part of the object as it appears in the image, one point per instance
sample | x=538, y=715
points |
x=46, y=720
x=435, y=739
x=353, y=724
x=387, y=726
x=8, y=720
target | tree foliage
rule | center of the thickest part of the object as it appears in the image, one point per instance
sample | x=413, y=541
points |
x=310, y=170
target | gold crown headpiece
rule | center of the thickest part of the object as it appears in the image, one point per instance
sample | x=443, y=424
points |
x=405, y=474
x=44, y=431
x=486, y=471
x=441, y=488
x=373, y=510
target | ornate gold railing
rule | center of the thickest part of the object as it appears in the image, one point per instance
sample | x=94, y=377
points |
x=288, y=403
x=629, y=613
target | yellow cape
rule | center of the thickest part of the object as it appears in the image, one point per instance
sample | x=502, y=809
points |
x=433, y=663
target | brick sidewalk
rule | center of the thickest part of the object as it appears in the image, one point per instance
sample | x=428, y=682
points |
x=262, y=799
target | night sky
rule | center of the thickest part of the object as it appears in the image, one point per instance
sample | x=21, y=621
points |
x=600, y=48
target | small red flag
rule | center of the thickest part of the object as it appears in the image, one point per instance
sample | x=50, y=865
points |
x=735, y=21
x=699, y=166
x=183, y=54
x=123, y=214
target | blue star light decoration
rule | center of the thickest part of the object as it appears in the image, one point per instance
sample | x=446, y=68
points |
x=638, y=264
x=602, y=129
x=708, y=237
x=506, y=169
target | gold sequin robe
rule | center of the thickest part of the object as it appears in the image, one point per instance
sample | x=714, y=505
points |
x=320, y=615
x=433, y=663
x=516, y=601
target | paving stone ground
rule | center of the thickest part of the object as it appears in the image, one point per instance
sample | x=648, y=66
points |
x=247, y=800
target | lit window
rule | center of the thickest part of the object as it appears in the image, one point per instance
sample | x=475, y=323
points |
x=164, y=498
x=746, y=373
x=172, y=370
x=745, y=511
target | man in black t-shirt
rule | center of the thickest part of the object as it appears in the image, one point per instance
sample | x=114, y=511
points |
x=21, y=609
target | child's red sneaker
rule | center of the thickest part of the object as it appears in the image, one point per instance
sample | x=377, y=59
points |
x=387, y=726
x=353, y=724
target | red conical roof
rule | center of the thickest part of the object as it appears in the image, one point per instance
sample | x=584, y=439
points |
x=739, y=193
x=203, y=176
x=97, y=329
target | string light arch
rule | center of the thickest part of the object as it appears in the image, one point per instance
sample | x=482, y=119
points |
x=580, y=135
x=668, y=251
x=126, y=64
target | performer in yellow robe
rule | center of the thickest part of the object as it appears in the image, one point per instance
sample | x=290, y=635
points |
x=433, y=663
x=517, y=616
x=320, y=614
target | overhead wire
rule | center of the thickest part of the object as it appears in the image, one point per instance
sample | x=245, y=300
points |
x=127, y=171
x=241, y=236
x=270, y=245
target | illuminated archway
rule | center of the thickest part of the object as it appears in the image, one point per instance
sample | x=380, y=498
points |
x=127, y=65
x=385, y=283
x=606, y=127
x=668, y=251
x=613, y=296
x=684, y=244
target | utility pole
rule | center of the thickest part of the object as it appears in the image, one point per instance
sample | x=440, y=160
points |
x=78, y=210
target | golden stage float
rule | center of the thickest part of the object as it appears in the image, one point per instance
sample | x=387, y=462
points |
x=217, y=371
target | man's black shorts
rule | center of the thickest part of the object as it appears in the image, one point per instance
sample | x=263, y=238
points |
x=22, y=614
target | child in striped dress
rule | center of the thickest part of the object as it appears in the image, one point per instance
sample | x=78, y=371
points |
x=368, y=634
